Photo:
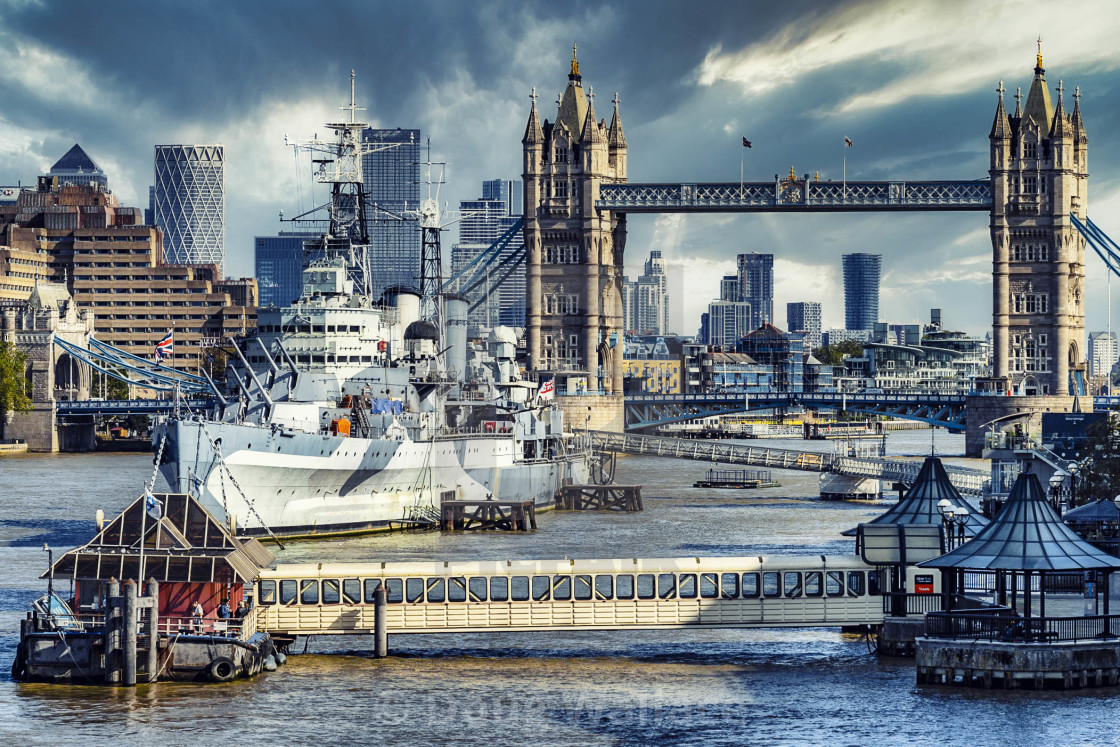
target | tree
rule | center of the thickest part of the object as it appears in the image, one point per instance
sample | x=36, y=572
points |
x=1100, y=473
x=15, y=388
x=833, y=355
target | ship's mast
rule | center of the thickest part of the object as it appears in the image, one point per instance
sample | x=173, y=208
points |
x=339, y=163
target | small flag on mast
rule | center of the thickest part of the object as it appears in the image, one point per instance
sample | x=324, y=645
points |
x=152, y=506
x=848, y=142
x=746, y=143
x=547, y=391
x=164, y=348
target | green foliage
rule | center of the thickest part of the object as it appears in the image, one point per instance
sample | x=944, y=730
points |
x=833, y=355
x=14, y=385
x=1100, y=477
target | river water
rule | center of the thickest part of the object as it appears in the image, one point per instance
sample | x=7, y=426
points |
x=733, y=687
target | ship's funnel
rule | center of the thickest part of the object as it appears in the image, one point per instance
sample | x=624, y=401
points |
x=406, y=301
x=456, y=337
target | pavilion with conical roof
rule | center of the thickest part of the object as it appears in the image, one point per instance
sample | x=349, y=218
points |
x=1027, y=537
x=921, y=503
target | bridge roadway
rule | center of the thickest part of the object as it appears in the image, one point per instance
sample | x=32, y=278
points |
x=967, y=481
x=548, y=595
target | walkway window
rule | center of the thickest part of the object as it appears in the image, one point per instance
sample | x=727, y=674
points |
x=457, y=589
x=287, y=592
x=855, y=583
x=770, y=584
x=371, y=586
x=604, y=587
x=729, y=585
x=709, y=585
x=499, y=589
x=688, y=586
x=519, y=589
x=477, y=588
x=266, y=593
x=645, y=586
x=792, y=584
x=583, y=588
x=834, y=583
x=330, y=591
x=351, y=591
x=436, y=592
x=624, y=587
x=414, y=590
x=873, y=583
x=541, y=586
x=394, y=590
x=813, y=584
x=666, y=585
x=561, y=588
x=308, y=591
x=750, y=585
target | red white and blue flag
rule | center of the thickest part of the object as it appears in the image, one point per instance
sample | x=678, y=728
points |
x=164, y=348
x=547, y=390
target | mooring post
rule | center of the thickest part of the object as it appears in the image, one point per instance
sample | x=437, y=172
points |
x=381, y=635
x=153, y=629
x=112, y=633
x=128, y=656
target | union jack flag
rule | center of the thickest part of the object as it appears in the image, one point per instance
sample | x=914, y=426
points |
x=164, y=348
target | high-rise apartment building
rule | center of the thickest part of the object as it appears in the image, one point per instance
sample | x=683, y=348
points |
x=391, y=176
x=805, y=317
x=1103, y=354
x=502, y=287
x=279, y=262
x=728, y=322
x=756, y=286
x=77, y=168
x=729, y=288
x=861, y=290
x=190, y=203
x=645, y=301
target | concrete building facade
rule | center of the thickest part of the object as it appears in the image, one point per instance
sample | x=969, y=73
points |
x=646, y=300
x=805, y=317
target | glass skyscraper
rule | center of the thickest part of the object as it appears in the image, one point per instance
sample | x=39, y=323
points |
x=279, y=264
x=189, y=203
x=861, y=290
x=484, y=221
x=756, y=286
x=392, y=186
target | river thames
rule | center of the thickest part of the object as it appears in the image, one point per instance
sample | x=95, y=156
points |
x=768, y=687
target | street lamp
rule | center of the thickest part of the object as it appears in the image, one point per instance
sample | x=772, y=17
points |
x=954, y=518
x=1056, y=481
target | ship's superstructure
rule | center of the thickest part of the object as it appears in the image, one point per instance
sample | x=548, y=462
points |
x=345, y=413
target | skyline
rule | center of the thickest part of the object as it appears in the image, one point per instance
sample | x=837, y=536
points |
x=911, y=86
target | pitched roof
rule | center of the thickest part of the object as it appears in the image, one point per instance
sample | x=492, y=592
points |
x=1001, y=128
x=1038, y=108
x=75, y=159
x=187, y=544
x=615, y=137
x=1092, y=513
x=919, y=504
x=1026, y=535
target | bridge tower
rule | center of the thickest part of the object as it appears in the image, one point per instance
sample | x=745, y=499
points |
x=574, y=254
x=1039, y=175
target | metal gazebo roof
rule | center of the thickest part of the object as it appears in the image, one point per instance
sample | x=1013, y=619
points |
x=1026, y=535
x=1096, y=512
x=919, y=504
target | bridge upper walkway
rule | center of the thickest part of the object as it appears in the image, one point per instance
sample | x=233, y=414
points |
x=967, y=481
x=543, y=595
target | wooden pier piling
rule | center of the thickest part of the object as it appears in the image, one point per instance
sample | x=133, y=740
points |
x=113, y=633
x=153, y=629
x=626, y=498
x=128, y=654
x=510, y=516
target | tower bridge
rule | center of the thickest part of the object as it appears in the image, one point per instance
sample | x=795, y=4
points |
x=578, y=194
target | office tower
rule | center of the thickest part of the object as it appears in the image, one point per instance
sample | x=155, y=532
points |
x=392, y=186
x=861, y=290
x=190, y=203
x=729, y=288
x=279, y=262
x=77, y=168
x=1103, y=355
x=756, y=286
x=728, y=321
x=805, y=317
x=500, y=292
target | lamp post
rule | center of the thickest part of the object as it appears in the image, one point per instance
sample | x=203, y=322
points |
x=1073, y=468
x=1056, y=482
x=954, y=519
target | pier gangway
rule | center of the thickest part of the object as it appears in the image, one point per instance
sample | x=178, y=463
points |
x=967, y=481
x=548, y=595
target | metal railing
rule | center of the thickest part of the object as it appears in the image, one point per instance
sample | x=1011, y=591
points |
x=1000, y=625
x=903, y=603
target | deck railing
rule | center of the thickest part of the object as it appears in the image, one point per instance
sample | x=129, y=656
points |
x=999, y=625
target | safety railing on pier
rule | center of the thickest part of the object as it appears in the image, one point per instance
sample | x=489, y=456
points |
x=1001, y=625
x=968, y=482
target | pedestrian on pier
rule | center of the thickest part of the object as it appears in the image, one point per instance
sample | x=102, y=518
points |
x=241, y=610
x=223, y=610
x=196, y=614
